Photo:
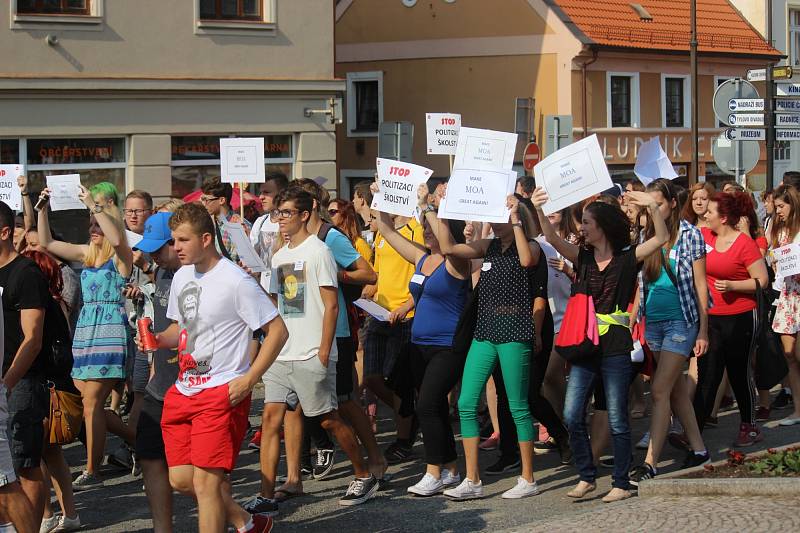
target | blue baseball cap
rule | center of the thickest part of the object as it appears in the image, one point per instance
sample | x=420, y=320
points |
x=156, y=233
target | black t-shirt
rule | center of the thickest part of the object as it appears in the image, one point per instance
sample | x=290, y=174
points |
x=24, y=287
x=612, y=289
x=539, y=290
x=165, y=362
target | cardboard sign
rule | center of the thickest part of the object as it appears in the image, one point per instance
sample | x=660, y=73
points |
x=787, y=260
x=573, y=174
x=247, y=253
x=487, y=149
x=9, y=190
x=478, y=195
x=398, y=182
x=442, y=130
x=64, y=189
x=242, y=159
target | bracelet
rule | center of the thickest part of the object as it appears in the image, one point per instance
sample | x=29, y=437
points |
x=517, y=224
x=428, y=209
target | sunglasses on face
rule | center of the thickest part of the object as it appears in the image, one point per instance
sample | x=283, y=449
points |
x=332, y=212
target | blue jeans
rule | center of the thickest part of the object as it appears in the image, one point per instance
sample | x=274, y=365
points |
x=616, y=373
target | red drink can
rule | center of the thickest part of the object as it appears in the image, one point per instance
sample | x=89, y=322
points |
x=148, y=339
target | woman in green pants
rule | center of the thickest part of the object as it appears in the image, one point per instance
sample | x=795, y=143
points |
x=504, y=333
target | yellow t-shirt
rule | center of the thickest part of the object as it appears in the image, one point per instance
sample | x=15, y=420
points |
x=394, y=272
x=364, y=249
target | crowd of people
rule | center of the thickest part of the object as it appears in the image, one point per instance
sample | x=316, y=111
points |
x=161, y=340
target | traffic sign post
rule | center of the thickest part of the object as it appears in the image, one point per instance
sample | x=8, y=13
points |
x=787, y=135
x=787, y=120
x=733, y=90
x=742, y=134
x=531, y=156
x=746, y=119
x=746, y=104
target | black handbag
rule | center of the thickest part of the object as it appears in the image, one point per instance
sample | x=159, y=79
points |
x=771, y=366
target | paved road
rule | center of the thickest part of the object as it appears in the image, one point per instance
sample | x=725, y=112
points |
x=122, y=507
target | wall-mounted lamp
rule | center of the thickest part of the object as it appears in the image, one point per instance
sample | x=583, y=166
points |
x=334, y=110
x=51, y=40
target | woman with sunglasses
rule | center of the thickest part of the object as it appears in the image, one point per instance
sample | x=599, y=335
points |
x=99, y=344
x=674, y=300
x=343, y=215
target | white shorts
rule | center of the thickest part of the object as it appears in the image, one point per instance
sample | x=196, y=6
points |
x=305, y=382
x=7, y=474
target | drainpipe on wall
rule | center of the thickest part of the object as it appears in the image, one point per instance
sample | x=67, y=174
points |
x=584, y=110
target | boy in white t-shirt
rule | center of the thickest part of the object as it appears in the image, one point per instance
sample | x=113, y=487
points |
x=304, y=278
x=216, y=307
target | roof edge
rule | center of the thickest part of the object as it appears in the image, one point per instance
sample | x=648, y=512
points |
x=567, y=21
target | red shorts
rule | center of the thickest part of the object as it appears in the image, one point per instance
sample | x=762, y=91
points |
x=203, y=430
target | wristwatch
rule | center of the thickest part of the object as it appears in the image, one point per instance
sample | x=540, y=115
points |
x=517, y=224
x=97, y=209
x=428, y=209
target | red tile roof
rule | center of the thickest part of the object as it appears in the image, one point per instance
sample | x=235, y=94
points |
x=614, y=23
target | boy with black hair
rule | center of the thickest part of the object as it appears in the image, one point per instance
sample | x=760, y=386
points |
x=216, y=198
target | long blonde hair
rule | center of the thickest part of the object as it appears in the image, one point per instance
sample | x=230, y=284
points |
x=100, y=254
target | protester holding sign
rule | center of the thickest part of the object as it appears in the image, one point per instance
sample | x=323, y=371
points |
x=504, y=332
x=785, y=231
x=608, y=264
x=216, y=199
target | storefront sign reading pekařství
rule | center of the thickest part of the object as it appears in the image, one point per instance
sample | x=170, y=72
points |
x=623, y=148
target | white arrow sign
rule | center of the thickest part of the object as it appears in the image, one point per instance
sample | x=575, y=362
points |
x=746, y=104
x=746, y=119
x=787, y=89
x=787, y=119
x=758, y=74
x=787, y=135
x=741, y=134
x=787, y=105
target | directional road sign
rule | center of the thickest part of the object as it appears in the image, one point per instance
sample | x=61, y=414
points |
x=743, y=134
x=787, y=89
x=787, y=105
x=746, y=119
x=787, y=120
x=787, y=135
x=746, y=104
x=736, y=88
x=778, y=73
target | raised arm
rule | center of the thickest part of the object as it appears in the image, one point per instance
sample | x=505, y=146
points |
x=568, y=250
x=111, y=232
x=64, y=250
x=410, y=251
x=529, y=252
x=661, y=237
x=471, y=250
x=27, y=206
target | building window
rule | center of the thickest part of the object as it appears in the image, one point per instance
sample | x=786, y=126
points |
x=9, y=152
x=675, y=105
x=195, y=158
x=231, y=10
x=523, y=117
x=53, y=7
x=794, y=37
x=364, y=103
x=622, y=101
x=783, y=151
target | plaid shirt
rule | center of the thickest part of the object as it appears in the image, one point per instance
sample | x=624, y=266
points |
x=691, y=247
x=227, y=242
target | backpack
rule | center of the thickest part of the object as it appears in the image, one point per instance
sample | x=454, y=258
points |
x=351, y=291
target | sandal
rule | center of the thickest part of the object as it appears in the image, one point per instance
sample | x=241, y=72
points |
x=281, y=495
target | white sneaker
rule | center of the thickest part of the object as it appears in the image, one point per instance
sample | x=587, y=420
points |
x=644, y=443
x=427, y=486
x=49, y=524
x=523, y=489
x=467, y=490
x=68, y=524
x=450, y=480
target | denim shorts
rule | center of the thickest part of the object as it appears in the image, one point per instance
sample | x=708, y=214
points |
x=674, y=336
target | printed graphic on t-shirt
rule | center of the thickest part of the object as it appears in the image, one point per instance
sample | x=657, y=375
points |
x=292, y=285
x=196, y=339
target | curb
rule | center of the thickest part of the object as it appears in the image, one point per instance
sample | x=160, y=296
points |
x=671, y=485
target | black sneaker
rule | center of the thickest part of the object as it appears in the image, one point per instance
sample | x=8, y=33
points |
x=122, y=457
x=359, y=491
x=564, y=451
x=504, y=464
x=782, y=401
x=398, y=453
x=541, y=447
x=692, y=460
x=306, y=472
x=323, y=463
x=261, y=506
x=640, y=473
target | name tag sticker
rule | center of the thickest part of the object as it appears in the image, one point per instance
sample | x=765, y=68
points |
x=486, y=267
x=709, y=248
x=380, y=244
x=673, y=254
x=298, y=265
x=418, y=279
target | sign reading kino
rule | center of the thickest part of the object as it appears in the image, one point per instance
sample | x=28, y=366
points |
x=623, y=148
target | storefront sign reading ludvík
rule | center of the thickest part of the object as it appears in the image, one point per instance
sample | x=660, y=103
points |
x=623, y=148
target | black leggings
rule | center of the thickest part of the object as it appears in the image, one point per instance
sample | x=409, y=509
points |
x=730, y=343
x=436, y=371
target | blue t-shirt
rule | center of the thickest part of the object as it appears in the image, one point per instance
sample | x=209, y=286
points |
x=439, y=300
x=663, y=302
x=345, y=255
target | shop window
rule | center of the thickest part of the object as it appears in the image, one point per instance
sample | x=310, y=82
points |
x=231, y=10
x=195, y=158
x=54, y=7
x=524, y=111
x=622, y=101
x=364, y=103
x=794, y=37
x=9, y=152
x=674, y=102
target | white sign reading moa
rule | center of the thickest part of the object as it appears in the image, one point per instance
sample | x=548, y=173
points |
x=485, y=149
x=746, y=104
x=573, y=174
x=398, y=182
x=442, y=130
x=745, y=134
x=787, y=135
x=242, y=159
x=478, y=194
x=787, y=89
x=9, y=190
x=787, y=119
x=746, y=119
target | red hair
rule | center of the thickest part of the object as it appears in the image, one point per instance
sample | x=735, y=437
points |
x=52, y=273
x=349, y=222
x=733, y=206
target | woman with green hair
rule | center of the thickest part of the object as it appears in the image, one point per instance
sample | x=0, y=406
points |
x=99, y=344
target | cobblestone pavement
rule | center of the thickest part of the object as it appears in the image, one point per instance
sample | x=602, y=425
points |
x=707, y=514
x=121, y=506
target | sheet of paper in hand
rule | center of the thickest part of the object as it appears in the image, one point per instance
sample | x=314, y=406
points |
x=133, y=238
x=398, y=182
x=9, y=190
x=244, y=247
x=478, y=195
x=787, y=260
x=64, y=189
x=485, y=149
x=242, y=159
x=442, y=130
x=653, y=163
x=572, y=174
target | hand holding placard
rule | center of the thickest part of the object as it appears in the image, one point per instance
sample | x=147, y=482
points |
x=398, y=184
x=478, y=194
x=65, y=190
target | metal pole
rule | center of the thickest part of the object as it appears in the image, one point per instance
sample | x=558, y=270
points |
x=694, y=169
x=769, y=104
